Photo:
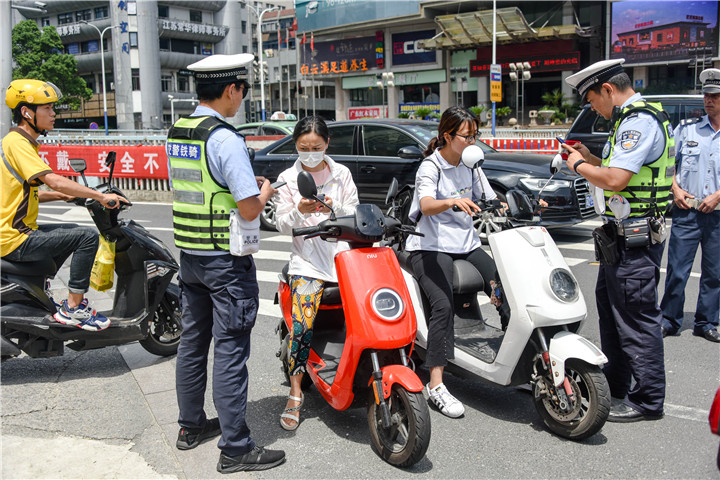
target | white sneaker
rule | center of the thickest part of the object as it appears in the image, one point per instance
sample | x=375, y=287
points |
x=446, y=403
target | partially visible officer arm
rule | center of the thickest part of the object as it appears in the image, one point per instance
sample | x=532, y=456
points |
x=228, y=155
x=634, y=144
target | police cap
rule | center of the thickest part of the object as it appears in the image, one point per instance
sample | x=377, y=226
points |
x=597, y=73
x=710, y=79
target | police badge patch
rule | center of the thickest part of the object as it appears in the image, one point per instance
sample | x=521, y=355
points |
x=629, y=139
x=606, y=150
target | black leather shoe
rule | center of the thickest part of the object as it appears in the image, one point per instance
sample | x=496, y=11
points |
x=711, y=335
x=624, y=413
x=257, y=459
x=192, y=437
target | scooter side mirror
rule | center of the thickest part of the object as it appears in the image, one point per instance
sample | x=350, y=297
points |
x=519, y=205
x=556, y=164
x=392, y=191
x=473, y=156
x=78, y=164
x=306, y=185
x=251, y=154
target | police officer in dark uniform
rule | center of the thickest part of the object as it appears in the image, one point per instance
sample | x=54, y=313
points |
x=632, y=183
x=211, y=175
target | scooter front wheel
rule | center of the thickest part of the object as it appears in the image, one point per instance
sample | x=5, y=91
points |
x=165, y=327
x=586, y=414
x=405, y=442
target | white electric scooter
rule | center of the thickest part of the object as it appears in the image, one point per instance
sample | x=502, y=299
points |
x=540, y=346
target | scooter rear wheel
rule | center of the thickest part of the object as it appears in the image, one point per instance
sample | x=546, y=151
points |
x=165, y=327
x=591, y=406
x=407, y=439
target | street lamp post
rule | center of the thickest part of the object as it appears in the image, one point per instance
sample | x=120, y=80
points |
x=102, y=67
x=172, y=105
x=260, y=51
x=520, y=72
x=387, y=79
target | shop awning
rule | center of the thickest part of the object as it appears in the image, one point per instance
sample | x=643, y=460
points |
x=474, y=29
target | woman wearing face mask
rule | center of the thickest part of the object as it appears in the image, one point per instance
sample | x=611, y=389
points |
x=443, y=182
x=311, y=261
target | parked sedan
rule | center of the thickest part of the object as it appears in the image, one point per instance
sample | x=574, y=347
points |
x=260, y=129
x=375, y=151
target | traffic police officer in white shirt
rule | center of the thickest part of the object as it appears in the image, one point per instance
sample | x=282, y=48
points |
x=696, y=217
x=635, y=175
x=212, y=177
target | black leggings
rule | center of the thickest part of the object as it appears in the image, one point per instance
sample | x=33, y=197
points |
x=434, y=272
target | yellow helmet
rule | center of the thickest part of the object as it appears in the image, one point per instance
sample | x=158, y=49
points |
x=34, y=92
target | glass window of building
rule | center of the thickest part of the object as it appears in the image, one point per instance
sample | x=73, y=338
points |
x=135, y=79
x=101, y=12
x=183, y=46
x=429, y=93
x=65, y=18
x=90, y=82
x=196, y=16
x=164, y=44
x=90, y=46
x=72, y=48
x=163, y=11
x=133, y=39
x=363, y=97
x=244, y=49
x=83, y=15
x=243, y=26
x=45, y=22
x=183, y=82
x=166, y=83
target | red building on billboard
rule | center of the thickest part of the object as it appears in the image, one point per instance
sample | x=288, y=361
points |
x=690, y=33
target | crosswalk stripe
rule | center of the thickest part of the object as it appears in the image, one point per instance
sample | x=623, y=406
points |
x=586, y=247
x=272, y=255
x=268, y=308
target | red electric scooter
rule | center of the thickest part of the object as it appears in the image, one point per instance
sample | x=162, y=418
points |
x=364, y=331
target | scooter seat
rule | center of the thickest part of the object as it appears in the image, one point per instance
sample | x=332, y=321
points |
x=45, y=267
x=466, y=278
x=331, y=293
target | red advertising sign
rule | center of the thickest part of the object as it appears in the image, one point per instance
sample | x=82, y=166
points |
x=356, y=113
x=539, y=63
x=133, y=161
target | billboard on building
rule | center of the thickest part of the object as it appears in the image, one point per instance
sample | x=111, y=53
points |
x=662, y=31
x=407, y=51
x=319, y=14
x=352, y=55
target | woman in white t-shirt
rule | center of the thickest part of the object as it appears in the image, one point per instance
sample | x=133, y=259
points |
x=443, y=182
x=311, y=261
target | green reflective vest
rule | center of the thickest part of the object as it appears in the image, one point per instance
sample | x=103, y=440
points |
x=201, y=205
x=648, y=191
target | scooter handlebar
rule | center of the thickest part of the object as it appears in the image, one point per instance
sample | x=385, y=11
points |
x=298, y=232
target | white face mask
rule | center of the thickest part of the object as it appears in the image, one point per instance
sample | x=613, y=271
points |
x=311, y=159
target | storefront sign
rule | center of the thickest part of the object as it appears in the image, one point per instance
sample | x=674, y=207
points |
x=406, y=51
x=135, y=161
x=355, y=113
x=411, y=107
x=339, y=56
x=200, y=28
x=402, y=78
x=538, y=63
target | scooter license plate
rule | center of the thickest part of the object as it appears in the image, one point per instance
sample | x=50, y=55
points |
x=589, y=201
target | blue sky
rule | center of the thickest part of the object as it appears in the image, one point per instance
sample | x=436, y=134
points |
x=625, y=15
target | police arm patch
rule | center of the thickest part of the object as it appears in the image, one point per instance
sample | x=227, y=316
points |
x=629, y=139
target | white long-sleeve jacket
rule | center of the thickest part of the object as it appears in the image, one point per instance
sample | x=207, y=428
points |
x=314, y=258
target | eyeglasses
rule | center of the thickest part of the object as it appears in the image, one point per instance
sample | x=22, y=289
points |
x=469, y=138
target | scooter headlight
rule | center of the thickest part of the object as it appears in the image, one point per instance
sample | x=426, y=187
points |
x=387, y=304
x=563, y=285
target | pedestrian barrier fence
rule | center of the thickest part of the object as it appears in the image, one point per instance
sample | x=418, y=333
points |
x=142, y=162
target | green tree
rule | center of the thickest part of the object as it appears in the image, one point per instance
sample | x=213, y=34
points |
x=555, y=100
x=40, y=55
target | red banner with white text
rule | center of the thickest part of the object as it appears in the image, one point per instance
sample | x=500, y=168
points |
x=133, y=161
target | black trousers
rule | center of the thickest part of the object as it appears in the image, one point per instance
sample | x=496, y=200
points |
x=219, y=297
x=630, y=320
x=434, y=273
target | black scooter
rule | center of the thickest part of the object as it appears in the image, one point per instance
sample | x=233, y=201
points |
x=146, y=305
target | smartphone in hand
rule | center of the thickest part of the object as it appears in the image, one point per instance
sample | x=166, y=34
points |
x=277, y=185
x=560, y=139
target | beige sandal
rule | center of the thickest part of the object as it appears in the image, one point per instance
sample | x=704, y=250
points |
x=286, y=413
